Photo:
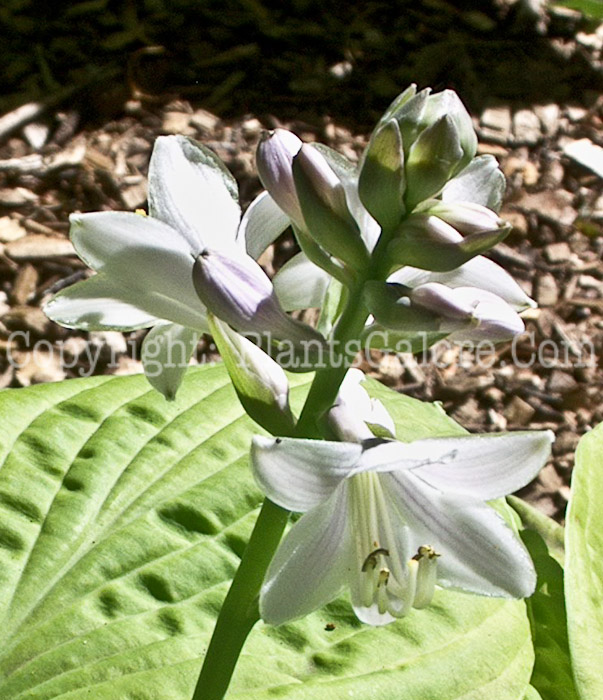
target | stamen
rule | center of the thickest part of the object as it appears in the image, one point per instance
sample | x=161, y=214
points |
x=425, y=550
x=383, y=577
x=427, y=559
x=371, y=559
x=384, y=581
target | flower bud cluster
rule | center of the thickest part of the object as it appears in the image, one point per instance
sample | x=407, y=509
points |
x=419, y=205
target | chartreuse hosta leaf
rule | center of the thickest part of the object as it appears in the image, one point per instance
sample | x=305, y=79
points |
x=122, y=519
x=552, y=674
x=584, y=566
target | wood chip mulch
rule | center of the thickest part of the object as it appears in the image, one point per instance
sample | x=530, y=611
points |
x=551, y=154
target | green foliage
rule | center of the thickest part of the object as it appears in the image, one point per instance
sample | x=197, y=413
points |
x=589, y=8
x=552, y=674
x=551, y=532
x=584, y=566
x=122, y=520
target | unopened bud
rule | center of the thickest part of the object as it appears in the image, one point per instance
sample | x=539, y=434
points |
x=381, y=181
x=442, y=300
x=416, y=111
x=274, y=160
x=259, y=381
x=437, y=136
x=433, y=159
x=466, y=217
x=429, y=243
x=448, y=103
x=469, y=313
x=237, y=291
x=325, y=210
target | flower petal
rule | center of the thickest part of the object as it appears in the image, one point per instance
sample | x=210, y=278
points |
x=478, y=551
x=478, y=272
x=496, y=322
x=300, y=474
x=262, y=223
x=309, y=567
x=97, y=304
x=166, y=351
x=101, y=237
x=300, y=284
x=367, y=409
x=391, y=455
x=274, y=160
x=191, y=190
x=147, y=261
x=486, y=466
x=480, y=182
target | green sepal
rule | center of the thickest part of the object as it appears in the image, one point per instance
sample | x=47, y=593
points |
x=390, y=306
x=316, y=254
x=409, y=116
x=432, y=160
x=414, y=248
x=447, y=102
x=395, y=107
x=381, y=182
x=332, y=307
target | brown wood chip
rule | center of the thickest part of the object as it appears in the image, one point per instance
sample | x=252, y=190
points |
x=39, y=246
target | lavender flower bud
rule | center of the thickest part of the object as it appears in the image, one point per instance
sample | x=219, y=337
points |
x=238, y=292
x=274, y=160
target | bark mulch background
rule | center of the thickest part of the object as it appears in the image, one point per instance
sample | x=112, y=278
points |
x=83, y=139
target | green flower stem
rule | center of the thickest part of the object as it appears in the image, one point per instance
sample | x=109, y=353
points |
x=327, y=381
x=240, y=610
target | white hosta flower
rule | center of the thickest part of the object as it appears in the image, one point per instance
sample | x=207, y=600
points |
x=479, y=272
x=428, y=242
x=144, y=264
x=388, y=520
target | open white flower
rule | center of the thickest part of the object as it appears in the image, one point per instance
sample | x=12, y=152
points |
x=145, y=264
x=388, y=519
